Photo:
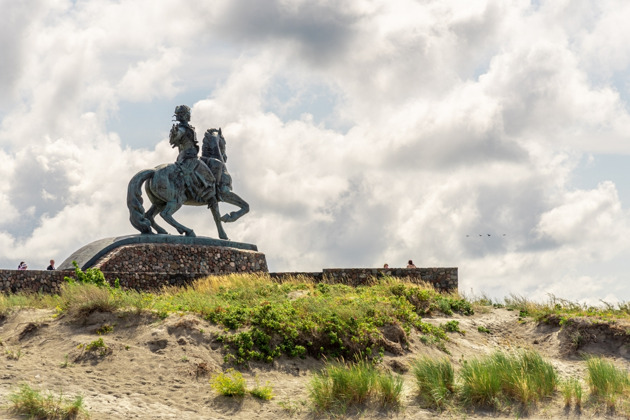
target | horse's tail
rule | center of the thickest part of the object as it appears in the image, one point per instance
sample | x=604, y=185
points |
x=134, y=201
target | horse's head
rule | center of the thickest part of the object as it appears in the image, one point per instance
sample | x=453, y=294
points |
x=214, y=132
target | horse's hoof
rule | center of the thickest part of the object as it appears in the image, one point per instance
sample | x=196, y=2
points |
x=191, y=234
x=226, y=218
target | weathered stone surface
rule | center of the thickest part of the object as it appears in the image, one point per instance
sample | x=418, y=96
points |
x=120, y=266
x=181, y=259
x=442, y=278
x=88, y=255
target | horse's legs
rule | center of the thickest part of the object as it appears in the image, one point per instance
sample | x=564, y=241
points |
x=214, y=208
x=167, y=214
x=150, y=214
x=232, y=198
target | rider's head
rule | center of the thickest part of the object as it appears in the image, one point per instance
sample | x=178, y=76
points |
x=182, y=113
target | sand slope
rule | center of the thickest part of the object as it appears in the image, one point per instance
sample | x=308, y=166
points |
x=160, y=369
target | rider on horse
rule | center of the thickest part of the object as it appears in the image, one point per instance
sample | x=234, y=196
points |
x=198, y=179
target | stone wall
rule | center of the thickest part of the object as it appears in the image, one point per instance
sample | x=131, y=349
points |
x=148, y=266
x=31, y=280
x=442, y=278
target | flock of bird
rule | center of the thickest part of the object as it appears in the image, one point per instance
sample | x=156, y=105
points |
x=486, y=234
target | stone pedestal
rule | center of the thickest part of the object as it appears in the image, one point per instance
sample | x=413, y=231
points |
x=151, y=261
x=92, y=253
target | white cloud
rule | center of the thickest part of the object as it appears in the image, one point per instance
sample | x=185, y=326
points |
x=446, y=122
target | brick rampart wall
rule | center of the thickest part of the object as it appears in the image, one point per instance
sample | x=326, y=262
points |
x=442, y=278
x=152, y=266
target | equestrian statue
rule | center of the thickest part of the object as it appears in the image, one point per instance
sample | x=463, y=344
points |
x=188, y=181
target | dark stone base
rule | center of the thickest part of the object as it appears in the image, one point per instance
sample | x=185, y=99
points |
x=90, y=254
x=181, y=259
x=150, y=262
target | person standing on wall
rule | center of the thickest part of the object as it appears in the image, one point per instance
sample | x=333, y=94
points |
x=52, y=265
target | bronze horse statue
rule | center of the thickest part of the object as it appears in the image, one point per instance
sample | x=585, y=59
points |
x=167, y=187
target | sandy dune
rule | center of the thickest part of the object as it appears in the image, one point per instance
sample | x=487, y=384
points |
x=160, y=369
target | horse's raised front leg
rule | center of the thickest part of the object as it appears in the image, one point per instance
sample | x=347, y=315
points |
x=232, y=198
x=150, y=214
x=167, y=214
x=214, y=208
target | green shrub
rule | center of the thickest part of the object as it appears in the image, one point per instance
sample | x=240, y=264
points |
x=262, y=392
x=96, y=345
x=231, y=383
x=89, y=276
x=435, y=380
x=452, y=326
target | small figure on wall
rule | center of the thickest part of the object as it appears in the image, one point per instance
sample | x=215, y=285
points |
x=51, y=266
x=410, y=264
x=22, y=266
x=386, y=265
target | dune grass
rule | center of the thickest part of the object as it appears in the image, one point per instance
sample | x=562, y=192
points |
x=566, y=309
x=607, y=382
x=435, y=379
x=341, y=386
x=571, y=390
x=30, y=402
x=522, y=377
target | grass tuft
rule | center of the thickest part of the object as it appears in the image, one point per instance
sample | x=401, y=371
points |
x=607, y=382
x=520, y=377
x=340, y=386
x=435, y=380
x=27, y=401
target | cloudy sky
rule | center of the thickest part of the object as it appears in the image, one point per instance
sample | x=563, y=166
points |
x=491, y=135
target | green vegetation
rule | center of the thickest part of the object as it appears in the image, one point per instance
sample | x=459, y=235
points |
x=96, y=345
x=571, y=389
x=452, y=326
x=340, y=386
x=13, y=354
x=105, y=329
x=66, y=361
x=435, y=380
x=389, y=390
x=230, y=384
x=607, y=382
x=30, y=402
x=521, y=377
x=483, y=329
x=263, y=392
x=261, y=321
x=563, y=309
